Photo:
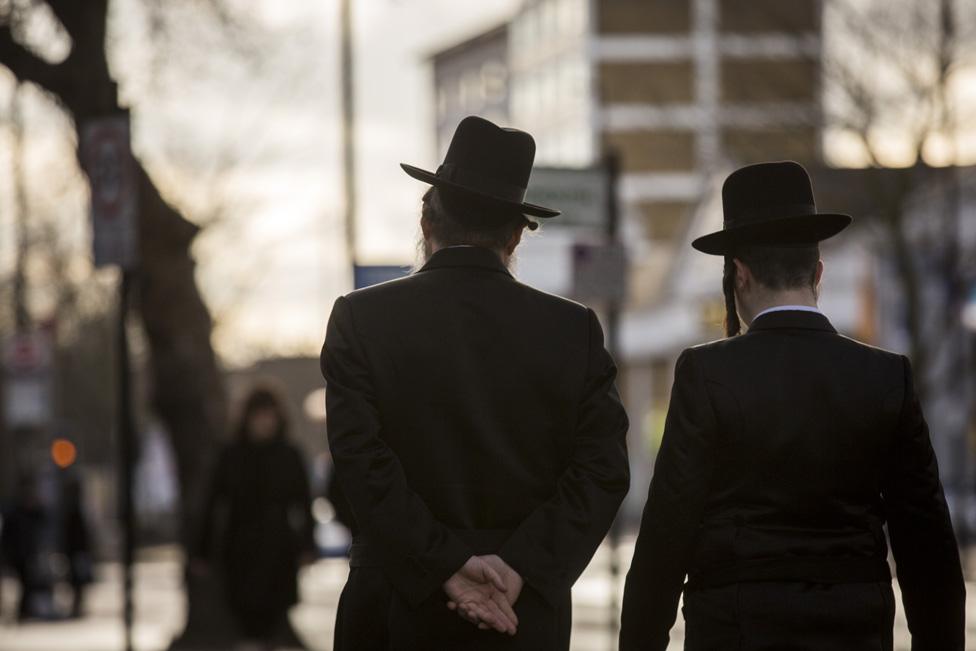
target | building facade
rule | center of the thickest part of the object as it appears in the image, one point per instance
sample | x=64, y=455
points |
x=471, y=78
x=687, y=88
x=681, y=92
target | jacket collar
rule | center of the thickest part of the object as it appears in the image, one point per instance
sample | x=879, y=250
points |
x=796, y=319
x=466, y=256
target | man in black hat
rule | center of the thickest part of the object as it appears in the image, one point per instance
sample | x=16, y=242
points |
x=474, y=424
x=786, y=450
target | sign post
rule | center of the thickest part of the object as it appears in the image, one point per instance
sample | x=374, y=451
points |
x=588, y=201
x=106, y=156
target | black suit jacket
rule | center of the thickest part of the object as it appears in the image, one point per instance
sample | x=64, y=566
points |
x=785, y=452
x=463, y=402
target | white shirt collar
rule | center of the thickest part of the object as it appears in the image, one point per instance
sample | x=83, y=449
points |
x=785, y=308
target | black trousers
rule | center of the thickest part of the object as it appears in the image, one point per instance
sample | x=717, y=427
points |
x=372, y=617
x=790, y=617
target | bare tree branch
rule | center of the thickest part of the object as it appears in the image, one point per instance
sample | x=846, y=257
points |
x=25, y=65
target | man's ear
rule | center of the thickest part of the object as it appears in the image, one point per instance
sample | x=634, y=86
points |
x=743, y=277
x=818, y=275
x=425, y=228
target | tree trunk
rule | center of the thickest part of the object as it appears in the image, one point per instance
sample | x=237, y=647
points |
x=187, y=388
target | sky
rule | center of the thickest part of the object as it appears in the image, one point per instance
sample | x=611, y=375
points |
x=276, y=261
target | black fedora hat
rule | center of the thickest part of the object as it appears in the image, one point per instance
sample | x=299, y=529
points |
x=770, y=204
x=488, y=163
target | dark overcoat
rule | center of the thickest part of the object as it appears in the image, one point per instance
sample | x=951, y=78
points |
x=468, y=414
x=786, y=452
x=258, y=525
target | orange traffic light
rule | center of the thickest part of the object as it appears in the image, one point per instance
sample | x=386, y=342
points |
x=63, y=452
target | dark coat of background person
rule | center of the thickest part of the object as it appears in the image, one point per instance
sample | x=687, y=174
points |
x=258, y=526
x=76, y=539
x=25, y=523
x=786, y=450
x=469, y=414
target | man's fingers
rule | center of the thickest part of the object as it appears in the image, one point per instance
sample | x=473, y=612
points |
x=469, y=615
x=451, y=605
x=495, y=578
x=506, y=608
x=484, y=616
x=489, y=614
x=466, y=612
x=501, y=621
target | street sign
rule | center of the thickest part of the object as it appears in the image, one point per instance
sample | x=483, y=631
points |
x=27, y=393
x=581, y=195
x=107, y=159
x=599, y=272
x=366, y=275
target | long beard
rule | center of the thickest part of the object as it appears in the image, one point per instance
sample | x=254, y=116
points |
x=424, y=251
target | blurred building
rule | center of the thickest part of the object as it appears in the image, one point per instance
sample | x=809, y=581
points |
x=682, y=91
x=471, y=78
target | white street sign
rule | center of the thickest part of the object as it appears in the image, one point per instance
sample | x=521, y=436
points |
x=107, y=158
x=27, y=360
x=581, y=195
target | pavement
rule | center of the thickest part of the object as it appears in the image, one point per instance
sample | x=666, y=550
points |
x=160, y=609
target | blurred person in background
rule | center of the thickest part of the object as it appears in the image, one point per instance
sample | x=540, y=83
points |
x=786, y=451
x=25, y=525
x=75, y=538
x=258, y=525
x=475, y=426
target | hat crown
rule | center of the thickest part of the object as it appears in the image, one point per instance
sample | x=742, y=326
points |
x=767, y=191
x=495, y=153
x=487, y=163
x=770, y=204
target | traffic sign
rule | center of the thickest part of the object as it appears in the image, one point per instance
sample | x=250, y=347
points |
x=27, y=394
x=366, y=275
x=580, y=194
x=106, y=156
x=28, y=353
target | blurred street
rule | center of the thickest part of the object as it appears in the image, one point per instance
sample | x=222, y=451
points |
x=160, y=609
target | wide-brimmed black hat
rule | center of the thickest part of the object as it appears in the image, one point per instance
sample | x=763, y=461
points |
x=770, y=204
x=488, y=163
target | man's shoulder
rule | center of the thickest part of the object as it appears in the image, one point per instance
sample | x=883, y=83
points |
x=382, y=290
x=399, y=289
x=551, y=300
x=848, y=348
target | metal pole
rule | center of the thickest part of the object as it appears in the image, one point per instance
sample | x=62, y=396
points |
x=347, y=78
x=126, y=456
x=612, y=166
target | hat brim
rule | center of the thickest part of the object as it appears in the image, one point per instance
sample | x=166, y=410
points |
x=431, y=178
x=786, y=231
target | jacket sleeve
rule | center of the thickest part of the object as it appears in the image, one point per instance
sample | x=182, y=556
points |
x=422, y=552
x=672, y=513
x=552, y=547
x=924, y=547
